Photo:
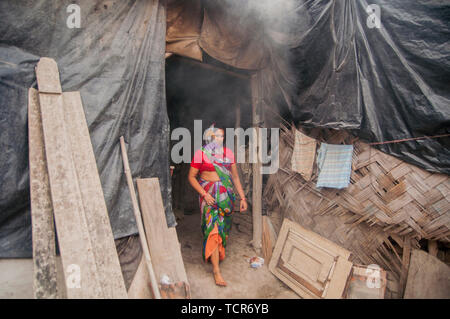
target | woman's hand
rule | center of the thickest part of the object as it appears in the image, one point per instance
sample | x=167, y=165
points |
x=209, y=199
x=243, y=206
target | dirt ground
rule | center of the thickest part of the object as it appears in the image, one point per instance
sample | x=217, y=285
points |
x=242, y=280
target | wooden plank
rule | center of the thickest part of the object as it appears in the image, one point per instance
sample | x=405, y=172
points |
x=162, y=241
x=49, y=81
x=175, y=247
x=43, y=232
x=266, y=240
x=73, y=237
x=138, y=216
x=428, y=277
x=339, y=279
x=140, y=287
x=96, y=213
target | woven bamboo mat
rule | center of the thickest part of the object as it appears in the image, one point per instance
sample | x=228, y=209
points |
x=387, y=203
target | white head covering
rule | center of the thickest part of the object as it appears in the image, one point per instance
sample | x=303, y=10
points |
x=208, y=134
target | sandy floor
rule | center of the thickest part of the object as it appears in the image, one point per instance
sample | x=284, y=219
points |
x=242, y=280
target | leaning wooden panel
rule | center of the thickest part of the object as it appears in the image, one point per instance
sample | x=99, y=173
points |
x=162, y=241
x=43, y=232
x=80, y=270
x=428, y=277
x=311, y=265
x=95, y=210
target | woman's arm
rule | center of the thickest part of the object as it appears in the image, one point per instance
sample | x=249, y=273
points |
x=237, y=181
x=196, y=185
x=194, y=182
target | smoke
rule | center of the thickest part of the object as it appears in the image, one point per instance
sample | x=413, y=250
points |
x=270, y=30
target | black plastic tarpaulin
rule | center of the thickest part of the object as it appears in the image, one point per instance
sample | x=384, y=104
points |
x=116, y=60
x=379, y=68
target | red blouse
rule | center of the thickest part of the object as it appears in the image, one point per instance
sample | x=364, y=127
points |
x=202, y=163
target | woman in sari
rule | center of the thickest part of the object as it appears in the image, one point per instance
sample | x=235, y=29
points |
x=218, y=173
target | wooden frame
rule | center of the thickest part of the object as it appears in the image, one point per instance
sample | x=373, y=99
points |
x=311, y=265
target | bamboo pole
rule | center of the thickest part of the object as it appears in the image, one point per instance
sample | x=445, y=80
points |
x=257, y=177
x=138, y=216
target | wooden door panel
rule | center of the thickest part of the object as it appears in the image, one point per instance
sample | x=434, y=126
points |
x=311, y=265
x=306, y=261
x=314, y=252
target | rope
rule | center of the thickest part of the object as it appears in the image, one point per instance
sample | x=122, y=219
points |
x=409, y=139
x=375, y=143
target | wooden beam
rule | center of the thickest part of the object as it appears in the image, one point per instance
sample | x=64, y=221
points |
x=96, y=213
x=78, y=261
x=256, y=168
x=137, y=215
x=43, y=232
x=237, y=124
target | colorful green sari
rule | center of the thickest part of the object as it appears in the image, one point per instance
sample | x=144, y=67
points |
x=216, y=219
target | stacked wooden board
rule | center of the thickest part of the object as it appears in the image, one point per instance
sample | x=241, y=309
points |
x=65, y=186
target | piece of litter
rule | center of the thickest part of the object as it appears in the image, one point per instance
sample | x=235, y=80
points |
x=256, y=262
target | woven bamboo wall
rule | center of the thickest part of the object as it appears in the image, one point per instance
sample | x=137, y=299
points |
x=387, y=203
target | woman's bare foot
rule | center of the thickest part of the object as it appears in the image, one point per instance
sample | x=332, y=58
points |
x=219, y=279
